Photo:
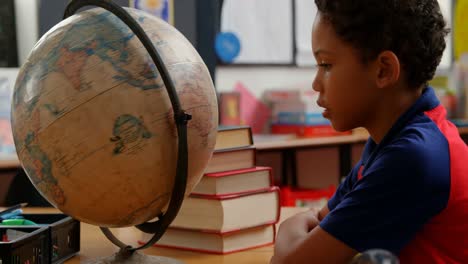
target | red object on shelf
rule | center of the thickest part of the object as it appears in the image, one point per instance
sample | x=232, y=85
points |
x=295, y=197
x=307, y=130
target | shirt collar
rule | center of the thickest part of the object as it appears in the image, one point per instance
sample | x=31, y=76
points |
x=427, y=101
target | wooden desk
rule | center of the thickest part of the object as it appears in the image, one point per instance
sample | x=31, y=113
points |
x=265, y=144
x=268, y=142
x=95, y=245
x=280, y=153
x=283, y=155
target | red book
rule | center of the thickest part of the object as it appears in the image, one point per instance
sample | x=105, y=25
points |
x=307, y=130
x=234, y=182
x=306, y=197
x=216, y=242
x=225, y=213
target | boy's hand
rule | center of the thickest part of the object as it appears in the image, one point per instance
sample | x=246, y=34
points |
x=300, y=240
x=293, y=231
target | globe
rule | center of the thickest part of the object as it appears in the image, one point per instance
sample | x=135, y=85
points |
x=93, y=123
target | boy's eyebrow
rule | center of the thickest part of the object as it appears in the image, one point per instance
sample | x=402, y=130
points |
x=318, y=51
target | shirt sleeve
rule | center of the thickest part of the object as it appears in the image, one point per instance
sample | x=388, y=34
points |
x=344, y=187
x=395, y=197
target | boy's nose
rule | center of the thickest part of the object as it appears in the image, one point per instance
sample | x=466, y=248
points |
x=316, y=84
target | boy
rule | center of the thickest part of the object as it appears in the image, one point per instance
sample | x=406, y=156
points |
x=409, y=192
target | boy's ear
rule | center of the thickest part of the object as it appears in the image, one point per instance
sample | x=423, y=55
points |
x=388, y=69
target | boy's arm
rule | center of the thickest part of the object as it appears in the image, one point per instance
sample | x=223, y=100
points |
x=323, y=212
x=293, y=234
x=301, y=240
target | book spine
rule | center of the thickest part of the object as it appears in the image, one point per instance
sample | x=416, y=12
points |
x=229, y=108
x=234, y=149
x=211, y=251
x=306, y=131
x=236, y=172
x=299, y=118
x=273, y=229
x=227, y=197
x=230, y=231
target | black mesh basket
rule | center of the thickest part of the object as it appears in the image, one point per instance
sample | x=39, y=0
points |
x=31, y=248
x=54, y=240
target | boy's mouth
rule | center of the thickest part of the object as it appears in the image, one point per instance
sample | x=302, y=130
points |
x=320, y=103
x=326, y=111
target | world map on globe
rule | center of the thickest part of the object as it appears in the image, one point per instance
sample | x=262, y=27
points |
x=93, y=124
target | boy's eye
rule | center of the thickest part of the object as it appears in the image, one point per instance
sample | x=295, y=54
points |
x=326, y=66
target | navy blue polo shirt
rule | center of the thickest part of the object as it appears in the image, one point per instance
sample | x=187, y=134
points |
x=405, y=191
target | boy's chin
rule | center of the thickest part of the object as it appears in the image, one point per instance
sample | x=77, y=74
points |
x=341, y=126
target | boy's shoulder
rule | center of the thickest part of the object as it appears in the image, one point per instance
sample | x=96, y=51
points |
x=419, y=147
x=421, y=137
x=419, y=133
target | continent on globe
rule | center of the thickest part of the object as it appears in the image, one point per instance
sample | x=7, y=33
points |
x=129, y=132
x=71, y=64
x=41, y=170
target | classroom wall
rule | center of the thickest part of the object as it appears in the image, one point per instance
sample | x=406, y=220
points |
x=256, y=79
x=26, y=27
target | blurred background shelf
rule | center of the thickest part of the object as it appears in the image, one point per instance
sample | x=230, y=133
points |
x=315, y=162
x=9, y=162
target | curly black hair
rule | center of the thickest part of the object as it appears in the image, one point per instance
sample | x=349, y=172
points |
x=412, y=29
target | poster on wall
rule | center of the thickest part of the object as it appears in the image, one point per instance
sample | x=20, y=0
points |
x=264, y=29
x=7, y=145
x=163, y=9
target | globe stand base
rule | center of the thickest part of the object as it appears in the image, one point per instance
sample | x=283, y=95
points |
x=122, y=257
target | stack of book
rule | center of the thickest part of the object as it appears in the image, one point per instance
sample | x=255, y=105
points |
x=296, y=112
x=235, y=205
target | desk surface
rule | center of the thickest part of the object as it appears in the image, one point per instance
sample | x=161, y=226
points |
x=95, y=245
x=265, y=144
x=272, y=142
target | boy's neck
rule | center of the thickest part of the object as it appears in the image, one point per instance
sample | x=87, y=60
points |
x=393, y=105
